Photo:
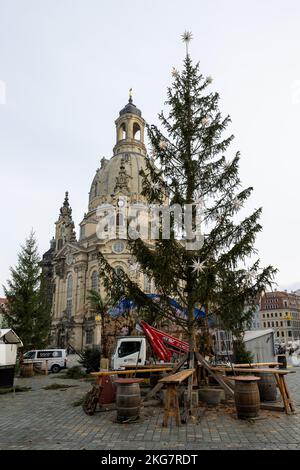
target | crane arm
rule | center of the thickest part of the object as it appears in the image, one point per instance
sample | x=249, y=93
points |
x=162, y=343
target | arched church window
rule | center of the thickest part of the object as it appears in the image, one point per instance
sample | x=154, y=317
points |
x=119, y=220
x=89, y=337
x=119, y=270
x=147, y=284
x=136, y=131
x=95, y=281
x=69, y=295
x=59, y=244
x=82, y=231
x=122, y=134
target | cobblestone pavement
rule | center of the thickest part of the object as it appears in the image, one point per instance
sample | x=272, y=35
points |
x=46, y=419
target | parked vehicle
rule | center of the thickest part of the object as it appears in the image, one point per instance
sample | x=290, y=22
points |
x=56, y=358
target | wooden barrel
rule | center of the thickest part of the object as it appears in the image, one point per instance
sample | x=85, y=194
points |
x=27, y=369
x=128, y=400
x=246, y=397
x=267, y=387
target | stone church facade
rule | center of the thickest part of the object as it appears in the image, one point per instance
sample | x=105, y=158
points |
x=70, y=265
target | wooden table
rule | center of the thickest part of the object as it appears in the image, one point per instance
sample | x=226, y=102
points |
x=129, y=372
x=258, y=364
x=171, y=402
x=150, y=366
x=280, y=380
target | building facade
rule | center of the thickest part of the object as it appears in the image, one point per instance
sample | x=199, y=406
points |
x=70, y=266
x=281, y=312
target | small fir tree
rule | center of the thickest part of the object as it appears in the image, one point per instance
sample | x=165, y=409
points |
x=29, y=311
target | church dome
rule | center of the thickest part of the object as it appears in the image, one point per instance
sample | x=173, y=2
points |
x=120, y=174
x=130, y=108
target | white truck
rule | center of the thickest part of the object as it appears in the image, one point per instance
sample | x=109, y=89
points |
x=130, y=351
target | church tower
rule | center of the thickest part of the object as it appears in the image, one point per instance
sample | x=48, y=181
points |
x=130, y=129
x=65, y=229
x=121, y=172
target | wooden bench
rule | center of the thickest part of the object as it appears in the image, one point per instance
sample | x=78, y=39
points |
x=279, y=375
x=171, y=402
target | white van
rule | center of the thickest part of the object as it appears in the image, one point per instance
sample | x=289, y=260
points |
x=56, y=358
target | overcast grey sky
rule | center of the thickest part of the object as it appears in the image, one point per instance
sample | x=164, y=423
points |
x=67, y=66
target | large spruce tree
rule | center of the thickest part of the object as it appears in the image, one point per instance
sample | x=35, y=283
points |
x=189, y=165
x=29, y=311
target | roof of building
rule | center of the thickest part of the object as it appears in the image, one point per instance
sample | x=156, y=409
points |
x=253, y=334
x=276, y=293
x=8, y=336
x=130, y=108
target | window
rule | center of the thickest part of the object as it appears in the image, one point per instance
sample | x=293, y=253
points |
x=95, y=281
x=147, y=284
x=89, y=336
x=282, y=333
x=69, y=295
x=288, y=323
x=289, y=333
x=118, y=247
x=129, y=347
x=268, y=323
x=29, y=355
x=119, y=219
x=136, y=131
x=122, y=131
x=69, y=308
x=277, y=334
x=264, y=324
x=119, y=270
x=277, y=323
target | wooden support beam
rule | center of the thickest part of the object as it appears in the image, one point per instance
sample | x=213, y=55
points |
x=217, y=377
x=265, y=406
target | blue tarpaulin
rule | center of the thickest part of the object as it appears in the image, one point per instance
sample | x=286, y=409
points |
x=126, y=304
